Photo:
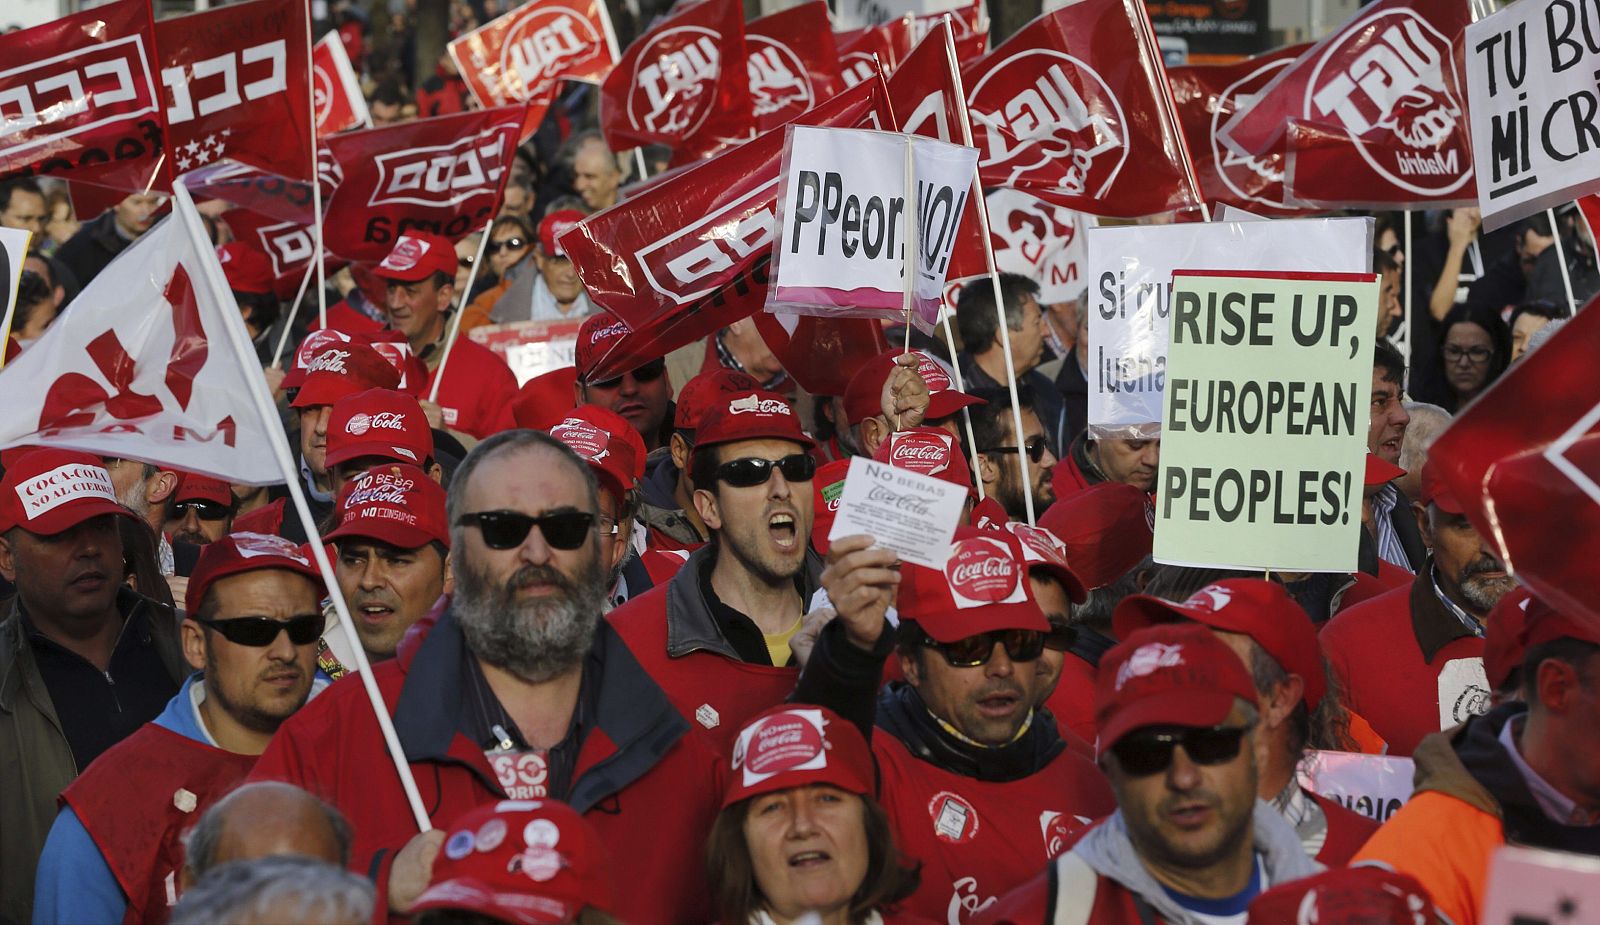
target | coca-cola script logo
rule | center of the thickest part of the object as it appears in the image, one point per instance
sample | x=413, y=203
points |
x=542, y=45
x=674, y=84
x=444, y=175
x=379, y=488
x=253, y=545
x=331, y=361
x=1147, y=659
x=386, y=420
x=981, y=571
x=1390, y=80
x=1039, y=544
x=584, y=438
x=755, y=404
x=314, y=344
x=1255, y=179
x=778, y=80
x=1046, y=118
x=782, y=742
x=928, y=454
x=932, y=373
x=687, y=264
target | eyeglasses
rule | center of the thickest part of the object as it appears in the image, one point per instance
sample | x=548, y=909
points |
x=259, y=632
x=496, y=247
x=1395, y=251
x=649, y=372
x=753, y=470
x=208, y=511
x=508, y=529
x=1477, y=355
x=1020, y=646
x=1061, y=638
x=1034, y=445
x=1149, y=751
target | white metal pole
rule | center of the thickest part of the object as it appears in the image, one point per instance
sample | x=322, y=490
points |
x=1561, y=257
x=294, y=311
x=455, y=323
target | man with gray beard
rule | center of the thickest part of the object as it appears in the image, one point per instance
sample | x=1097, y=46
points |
x=1411, y=660
x=518, y=691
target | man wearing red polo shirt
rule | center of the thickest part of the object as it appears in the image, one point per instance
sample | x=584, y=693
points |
x=475, y=397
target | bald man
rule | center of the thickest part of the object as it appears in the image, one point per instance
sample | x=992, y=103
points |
x=264, y=819
x=1427, y=423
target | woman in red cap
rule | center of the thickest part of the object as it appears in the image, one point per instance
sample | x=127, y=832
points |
x=800, y=832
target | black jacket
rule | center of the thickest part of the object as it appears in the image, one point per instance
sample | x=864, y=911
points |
x=96, y=244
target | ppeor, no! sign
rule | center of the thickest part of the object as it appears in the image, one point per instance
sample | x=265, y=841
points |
x=849, y=208
x=1264, y=421
x=1533, y=86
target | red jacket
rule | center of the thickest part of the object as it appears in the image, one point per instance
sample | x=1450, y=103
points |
x=648, y=783
x=1072, y=702
x=1398, y=654
x=1036, y=901
x=477, y=390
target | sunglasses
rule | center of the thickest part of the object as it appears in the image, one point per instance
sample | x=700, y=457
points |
x=1149, y=751
x=209, y=511
x=753, y=470
x=1020, y=646
x=1061, y=638
x=496, y=247
x=259, y=632
x=649, y=372
x=1034, y=446
x=566, y=530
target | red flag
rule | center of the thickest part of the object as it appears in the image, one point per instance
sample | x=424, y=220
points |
x=1379, y=110
x=443, y=175
x=335, y=90
x=822, y=354
x=1207, y=97
x=80, y=98
x=1075, y=108
x=969, y=21
x=857, y=47
x=793, y=63
x=289, y=245
x=670, y=87
x=236, y=85
x=521, y=55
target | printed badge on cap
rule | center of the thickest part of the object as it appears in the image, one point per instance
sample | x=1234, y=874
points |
x=921, y=452
x=585, y=439
x=63, y=485
x=794, y=740
x=407, y=251
x=981, y=572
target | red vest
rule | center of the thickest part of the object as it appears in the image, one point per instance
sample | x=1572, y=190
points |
x=128, y=803
x=1072, y=702
x=1036, y=902
x=1347, y=832
x=979, y=839
x=477, y=390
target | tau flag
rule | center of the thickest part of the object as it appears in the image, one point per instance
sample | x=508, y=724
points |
x=520, y=56
x=335, y=90
x=142, y=365
x=793, y=64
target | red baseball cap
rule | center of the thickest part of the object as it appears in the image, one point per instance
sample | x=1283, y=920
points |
x=314, y=343
x=927, y=451
x=827, y=487
x=1436, y=491
x=545, y=400
x=989, y=514
x=608, y=443
x=379, y=422
x=1260, y=609
x=529, y=862
x=1504, y=641
x=247, y=552
x=1345, y=896
x=553, y=226
x=394, y=504
x=1168, y=675
x=750, y=416
x=706, y=390
x=795, y=745
x=343, y=369
x=1043, y=551
x=246, y=268
x=597, y=336
x=193, y=486
x=417, y=256
x=981, y=588
x=46, y=492
x=863, y=396
x=1108, y=529
x=1380, y=471
x=1545, y=624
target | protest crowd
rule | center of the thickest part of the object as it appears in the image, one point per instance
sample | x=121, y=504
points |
x=665, y=468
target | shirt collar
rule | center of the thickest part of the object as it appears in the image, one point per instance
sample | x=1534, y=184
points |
x=1555, y=804
x=1384, y=501
x=1467, y=620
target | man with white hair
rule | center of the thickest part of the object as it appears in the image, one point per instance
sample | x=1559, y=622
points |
x=1427, y=423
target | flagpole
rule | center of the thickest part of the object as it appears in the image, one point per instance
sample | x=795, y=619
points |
x=910, y=266
x=1561, y=257
x=1153, y=49
x=316, y=183
x=616, y=56
x=294, y=312
x=1405, y=319
x=233, y=323
x=455, y=323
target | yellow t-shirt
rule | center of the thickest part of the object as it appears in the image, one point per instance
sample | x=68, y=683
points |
x=778, y=644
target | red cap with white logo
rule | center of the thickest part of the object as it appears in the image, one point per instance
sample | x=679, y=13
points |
x=1043, y=552
x=1176, y=674
x=528, y=862
x=398, y=505
x=597, y=336
x=926, y=451
x=553, y=227
x=344, y=369
x=46, y=492
x=379, y=422
x=247, y=552
x=863, y=397
x=417, y=256
x=706, y=390
x=828, y=488
x=750, y=416
x=983, y=587
x=193, y=486
x=1106, y=528
x=796, y=745
x=608, y=443
x=1345, y=896
x=246, y=268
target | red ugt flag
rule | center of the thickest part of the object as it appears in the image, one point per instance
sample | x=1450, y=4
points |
x=857, y=47
x=78, y=98
x=672, y=88
x=520, y=56
x=793, y=64
x=236, y=85
x=1075, y=108
x=335, y=91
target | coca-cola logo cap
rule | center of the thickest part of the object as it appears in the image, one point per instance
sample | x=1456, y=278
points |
x=983, y=586
x=379, y=423
x=395, y=504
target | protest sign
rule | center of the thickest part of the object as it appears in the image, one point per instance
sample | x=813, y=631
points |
x=1531, y=83
x=1130, y=274
x=1532, y=886
x=1265, y=419
x=913, y=515
x=1372, y=785
x=850, y=203
x=531, y=348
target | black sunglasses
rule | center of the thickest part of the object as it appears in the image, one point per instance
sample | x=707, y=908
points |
x=508, y=529
x=209, y=511
x=258, y=632
x=1034, y=446
x=751, y=471
x=1149, y=751
x=1020, y=646
x=649, y=372
x=496, y=247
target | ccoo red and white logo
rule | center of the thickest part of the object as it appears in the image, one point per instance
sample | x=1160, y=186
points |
x=778, y=79
x=981, y=571
x=544, y=44
x=443, y=175
x=1389, y=80
x=674, y=86
x=1045, y=118
x=794, y=740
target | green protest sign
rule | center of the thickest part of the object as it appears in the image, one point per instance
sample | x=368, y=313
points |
x=1264, y=421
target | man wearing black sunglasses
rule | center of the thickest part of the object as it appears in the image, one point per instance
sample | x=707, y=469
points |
x=200, y=510
x=643, y=395
x=998, y=449
x=1189, y=844
x=115, y=850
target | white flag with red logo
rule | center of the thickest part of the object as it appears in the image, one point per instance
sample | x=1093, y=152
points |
x=520, y=56
x=335, y=89
x=142, y=366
